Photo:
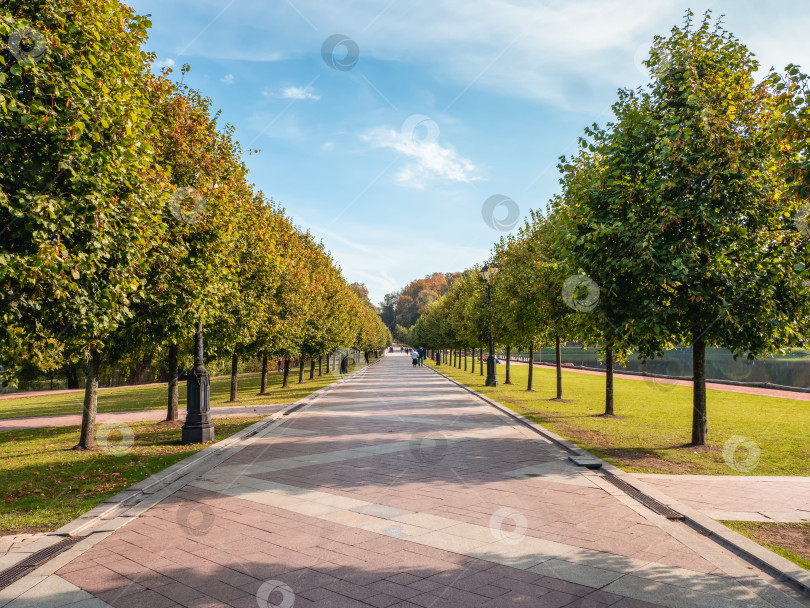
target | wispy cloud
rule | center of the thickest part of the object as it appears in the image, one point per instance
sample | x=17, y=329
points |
x=430, y=160
x=298, y=93
x=228, y=79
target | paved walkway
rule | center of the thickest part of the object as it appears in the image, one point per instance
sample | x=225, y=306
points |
x=734, y=497
x=398, y=488
x=39, y=422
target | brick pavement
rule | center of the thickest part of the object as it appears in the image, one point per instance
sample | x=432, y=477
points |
x=401, y=489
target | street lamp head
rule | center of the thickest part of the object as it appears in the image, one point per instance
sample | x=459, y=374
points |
x=489, y=271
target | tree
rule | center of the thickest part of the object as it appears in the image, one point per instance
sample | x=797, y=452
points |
x=689, y=234
x=79, y=205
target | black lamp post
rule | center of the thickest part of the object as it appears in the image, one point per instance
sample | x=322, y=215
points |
x=198, y=427
x=488, y=273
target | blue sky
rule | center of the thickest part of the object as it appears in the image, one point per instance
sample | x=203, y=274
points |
x=390, y=158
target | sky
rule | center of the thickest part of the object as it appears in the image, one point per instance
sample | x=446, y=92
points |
x=411, y=135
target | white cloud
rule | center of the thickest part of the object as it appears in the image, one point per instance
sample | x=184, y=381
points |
x=300, y=93
x=430, y=159
x=164, y=63
x=228, y=79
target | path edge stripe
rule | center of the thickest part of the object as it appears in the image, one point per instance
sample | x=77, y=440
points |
x=775, y=565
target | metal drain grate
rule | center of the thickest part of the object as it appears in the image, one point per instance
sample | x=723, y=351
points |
x=35, y=560
x=647, y=501
x=295, y=409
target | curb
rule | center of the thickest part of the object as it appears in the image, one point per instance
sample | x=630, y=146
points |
x=778, y=567
x=117, y=511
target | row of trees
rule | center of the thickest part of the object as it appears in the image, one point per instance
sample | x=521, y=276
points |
x=682, y=222
x=127, y=217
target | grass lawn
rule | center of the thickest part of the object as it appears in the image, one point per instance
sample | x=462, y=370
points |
x=791, y=541
x=653, y=422
x=44, y=484
x=154, y=397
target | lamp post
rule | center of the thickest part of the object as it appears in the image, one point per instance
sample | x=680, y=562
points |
x=488, y=273
x=198, y=427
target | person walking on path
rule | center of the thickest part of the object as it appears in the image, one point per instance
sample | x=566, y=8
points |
x=414, y=357
x=421, y=352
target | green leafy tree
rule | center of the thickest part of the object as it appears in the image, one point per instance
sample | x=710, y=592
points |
x=690, y=234
x=79, y=209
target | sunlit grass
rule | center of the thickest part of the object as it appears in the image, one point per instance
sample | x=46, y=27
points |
x=45, y=484
x=653, y=424
x=154, y=397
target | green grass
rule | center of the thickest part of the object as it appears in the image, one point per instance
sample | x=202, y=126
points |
x=45, y=484
x=652, y=426
x=783, y=539
x=154, y=397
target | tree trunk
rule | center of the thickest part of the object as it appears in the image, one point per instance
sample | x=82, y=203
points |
x=141, y=371
x=312, y=369
x=300, y=371
x=234, y=380
x=559, y=369
x=699, y=414
x=481, y=361
x=171, y=410
x=608, y=381
x=465, y=359
x=72, y=376
x=286, y=381
x=530, y=385
x=87, y=439
x=263, y=389
x=320, y=365
x=472, y=361
x=508, y=358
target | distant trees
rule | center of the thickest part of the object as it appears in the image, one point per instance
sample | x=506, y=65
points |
x=405, y=306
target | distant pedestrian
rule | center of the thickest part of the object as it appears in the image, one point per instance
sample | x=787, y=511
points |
x=414, y=357
x=421, y=352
